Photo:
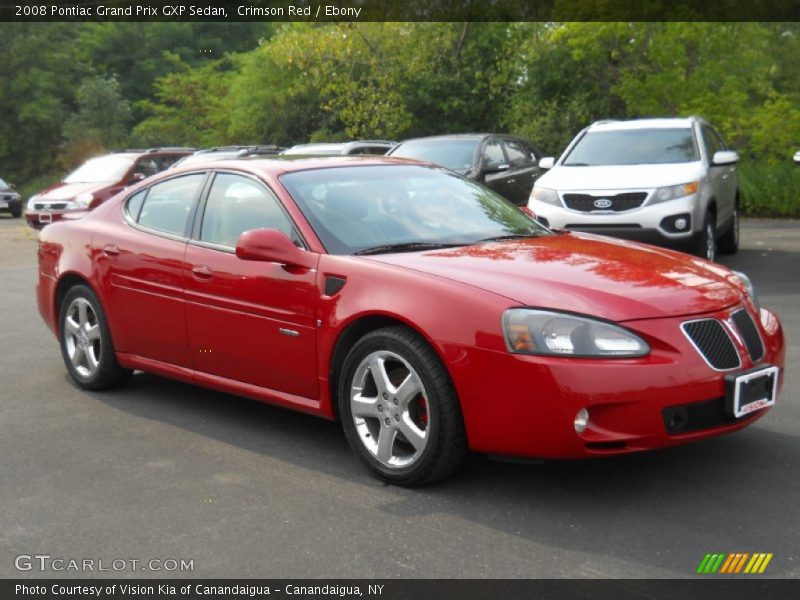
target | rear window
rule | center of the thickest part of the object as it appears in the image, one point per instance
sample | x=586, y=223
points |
x=634, y=147
x=453, y=154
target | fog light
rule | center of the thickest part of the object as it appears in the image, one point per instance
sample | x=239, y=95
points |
x=680, y=224
x=581, y=420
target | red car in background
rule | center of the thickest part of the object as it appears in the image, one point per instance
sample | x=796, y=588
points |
x=425, y=312
x=97, y=180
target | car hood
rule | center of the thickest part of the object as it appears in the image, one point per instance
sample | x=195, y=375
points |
x=68, y=191
x=583, y=273
x=620, y=177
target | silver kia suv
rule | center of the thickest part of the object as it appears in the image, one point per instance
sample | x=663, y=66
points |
x=671, y=182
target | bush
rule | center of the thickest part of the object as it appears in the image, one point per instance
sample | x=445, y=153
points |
x=770, y=190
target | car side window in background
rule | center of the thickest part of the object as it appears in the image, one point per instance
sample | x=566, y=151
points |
x=168, y=203
x=133, y=206
x=712, y=142
x=237, y=204
x=518, y=154
x=493, y=154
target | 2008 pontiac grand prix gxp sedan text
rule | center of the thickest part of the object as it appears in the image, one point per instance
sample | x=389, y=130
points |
x=425, y=312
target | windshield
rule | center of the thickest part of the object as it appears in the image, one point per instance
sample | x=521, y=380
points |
x=103, y=169
x=3, y=184
x=633, y=147
x=355, y=209
x=453, y=154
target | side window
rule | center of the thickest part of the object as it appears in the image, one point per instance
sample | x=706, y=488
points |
x=237, y=204
x=493, y=154
x=168, y=203
x=146, y=166
x=518, y=154
x=133, y=206
x=711, y=141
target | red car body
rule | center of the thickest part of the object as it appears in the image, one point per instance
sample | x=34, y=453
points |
x=166, y=316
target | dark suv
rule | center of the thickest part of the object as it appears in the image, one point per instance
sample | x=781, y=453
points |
x=504, y=163
x=10, y=200
x=96, y=180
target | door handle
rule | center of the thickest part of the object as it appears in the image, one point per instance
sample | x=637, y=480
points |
x=111, y=250
x=202, y=272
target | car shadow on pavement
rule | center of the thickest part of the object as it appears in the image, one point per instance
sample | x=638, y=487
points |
x=678, y=500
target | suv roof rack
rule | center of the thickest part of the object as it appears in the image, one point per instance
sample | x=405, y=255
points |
x=161, y=149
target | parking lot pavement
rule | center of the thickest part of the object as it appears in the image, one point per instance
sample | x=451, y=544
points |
x=162, y=470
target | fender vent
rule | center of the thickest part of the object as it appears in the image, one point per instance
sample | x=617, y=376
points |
x=333, y=285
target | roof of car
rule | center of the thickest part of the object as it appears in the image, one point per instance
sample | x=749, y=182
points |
x=279, y=165
x=451, y=136
x=666, y=123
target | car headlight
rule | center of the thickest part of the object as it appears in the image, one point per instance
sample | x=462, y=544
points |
x=83, y=200
x=751, y=290
x=32, y=200
x=534, y=331
x=673, y=192
x=545, y=195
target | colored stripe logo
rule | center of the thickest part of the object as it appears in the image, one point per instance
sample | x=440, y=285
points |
x=734, y=564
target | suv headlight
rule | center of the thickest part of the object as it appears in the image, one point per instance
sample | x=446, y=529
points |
x=534, y=331
x=83, y=200
x=545, y=195
x=673, y=192
x=751, y=290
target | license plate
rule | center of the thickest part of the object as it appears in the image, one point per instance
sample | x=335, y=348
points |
x=45, y=218
x=3, y=204
x=750, y=391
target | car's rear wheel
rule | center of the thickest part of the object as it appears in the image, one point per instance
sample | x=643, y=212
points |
x=729, y=242
x=86, y=342
x=706, y=244
x=398, y=408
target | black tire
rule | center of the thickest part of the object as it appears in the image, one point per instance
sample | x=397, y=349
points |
x=403, y=353
x=16, y=213
x=102, y=371
x=706, y=242
x=729, y=242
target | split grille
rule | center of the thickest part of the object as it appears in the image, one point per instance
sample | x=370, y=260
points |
x=713, y=343
x=744, y=323
x=618, y=202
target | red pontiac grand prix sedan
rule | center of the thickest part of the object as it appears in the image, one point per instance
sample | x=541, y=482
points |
x=426, y=313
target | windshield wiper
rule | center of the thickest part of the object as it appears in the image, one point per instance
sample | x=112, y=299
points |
x=406, y=247
x=510, y=236
x=577, y=165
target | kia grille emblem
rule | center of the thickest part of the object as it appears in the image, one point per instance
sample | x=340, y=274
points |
x=602, y=203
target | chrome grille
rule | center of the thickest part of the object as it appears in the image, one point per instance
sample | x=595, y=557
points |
x=747, y=328
x=50, y=205
x=713, y=343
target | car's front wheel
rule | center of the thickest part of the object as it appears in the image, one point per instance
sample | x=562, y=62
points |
x=706, y=244
x=398, y=408
x=729, y=242
x=86, y=342
x=16, y=213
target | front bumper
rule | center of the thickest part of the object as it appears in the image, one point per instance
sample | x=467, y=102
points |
x=648, y=223
x=39, y=218
x=525, y=406
x=10, y=204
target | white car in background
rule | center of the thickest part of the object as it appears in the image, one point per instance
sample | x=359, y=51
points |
x=671, y=182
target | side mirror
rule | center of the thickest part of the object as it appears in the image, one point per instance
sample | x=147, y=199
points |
x=547, y=162
x=271, y=245
x=136, y=178
x=494, y=168
x=724, y=157
x=527, y=211
x=797, y=157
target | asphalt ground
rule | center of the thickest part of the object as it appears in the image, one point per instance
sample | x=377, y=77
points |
x=162, y=470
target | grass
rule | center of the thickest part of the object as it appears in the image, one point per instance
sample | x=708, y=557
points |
x=769, y=190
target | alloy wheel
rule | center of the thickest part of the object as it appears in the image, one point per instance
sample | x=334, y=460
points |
x=83, y=339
